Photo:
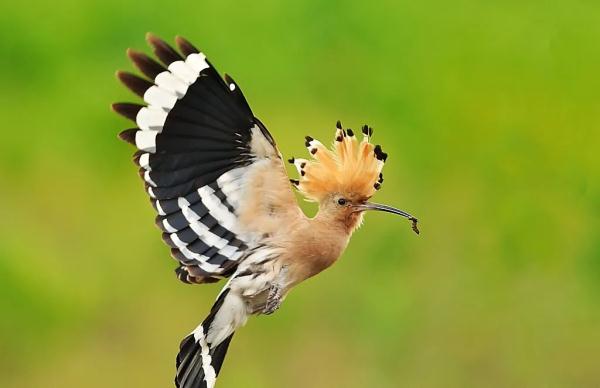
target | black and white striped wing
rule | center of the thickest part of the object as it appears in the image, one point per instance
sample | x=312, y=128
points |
x=194, y=138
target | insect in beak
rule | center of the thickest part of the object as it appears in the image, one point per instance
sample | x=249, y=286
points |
x=384, y=208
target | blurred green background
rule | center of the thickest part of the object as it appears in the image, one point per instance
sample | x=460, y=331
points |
x=489, y=111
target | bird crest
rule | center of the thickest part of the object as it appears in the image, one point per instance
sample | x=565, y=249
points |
x=350, y=166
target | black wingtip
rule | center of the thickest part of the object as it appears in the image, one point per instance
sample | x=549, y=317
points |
x=229, y=81
x=136, y=159
x=166, y=237
x=128, y=135
x=185, y=46
x=182, y=275
x=162, y=49
x=134, y=83
x=148, y=66
x=127, y=109
x=338, y=124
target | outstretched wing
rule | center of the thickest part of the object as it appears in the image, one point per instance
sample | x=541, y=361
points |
x=203, y=157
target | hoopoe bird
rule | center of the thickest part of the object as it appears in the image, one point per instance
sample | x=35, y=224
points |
x=225, y=204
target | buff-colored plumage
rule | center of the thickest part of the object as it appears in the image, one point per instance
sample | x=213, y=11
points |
x=351, y=166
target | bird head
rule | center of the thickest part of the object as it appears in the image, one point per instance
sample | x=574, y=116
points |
x=343, y=179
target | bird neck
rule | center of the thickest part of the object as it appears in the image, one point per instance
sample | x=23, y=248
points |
x=344, y=223
x=324, y=239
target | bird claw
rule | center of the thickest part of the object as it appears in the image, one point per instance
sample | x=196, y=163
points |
x=273, y=300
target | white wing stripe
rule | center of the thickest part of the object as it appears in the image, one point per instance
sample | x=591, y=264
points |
x=231, y=184
x=159, y=208
x=145, y=162
x=207, y=236
x=228, y=251
x=151, y=118
x=201, y=259
x=201, y=230
x=183, y=72
x=148, y=179
x=168, y=226
x=233, y=193
x=166, y=80
x=151, y=193
x=189, y=214
x=146, y=140
x=197, y=62
x=217, y=209
x=158, y=97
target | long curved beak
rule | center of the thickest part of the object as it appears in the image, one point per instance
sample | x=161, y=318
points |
x=388, y=209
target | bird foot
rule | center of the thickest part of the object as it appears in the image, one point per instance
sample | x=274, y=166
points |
x=273, y=300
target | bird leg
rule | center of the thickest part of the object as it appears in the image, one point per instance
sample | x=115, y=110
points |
x=273, y=300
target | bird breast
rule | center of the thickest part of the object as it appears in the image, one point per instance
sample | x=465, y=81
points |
x=316, y=250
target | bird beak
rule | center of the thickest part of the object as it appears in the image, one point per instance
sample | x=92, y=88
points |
x=385, y=208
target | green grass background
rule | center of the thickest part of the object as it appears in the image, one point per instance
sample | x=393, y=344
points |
x=489, y=111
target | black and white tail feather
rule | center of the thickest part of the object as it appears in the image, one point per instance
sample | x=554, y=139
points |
x=199, y=361
x=197, y=141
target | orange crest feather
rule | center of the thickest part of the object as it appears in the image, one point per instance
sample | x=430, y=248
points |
x=350, y=167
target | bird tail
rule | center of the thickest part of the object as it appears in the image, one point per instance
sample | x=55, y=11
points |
x=201, y=353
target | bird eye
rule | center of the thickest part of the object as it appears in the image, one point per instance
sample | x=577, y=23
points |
x=341, y=201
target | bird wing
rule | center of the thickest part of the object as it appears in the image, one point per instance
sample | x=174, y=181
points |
x=212, y=170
